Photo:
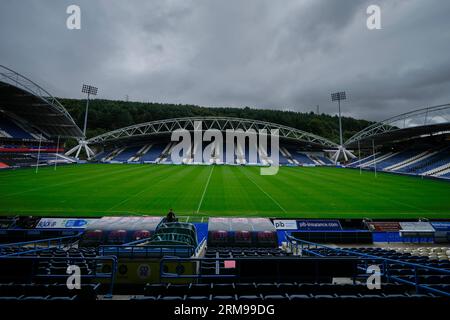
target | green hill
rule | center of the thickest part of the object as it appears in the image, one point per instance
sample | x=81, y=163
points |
x=107, y=115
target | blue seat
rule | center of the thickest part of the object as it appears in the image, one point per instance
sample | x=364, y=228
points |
x=177, y=289
x=222, y=298
x=295, y=297
x=250, y=298
x=198, y=298
x=276, y=297
x=144, y=298
x=223, y=289
x=155, y=289
x=171, y=298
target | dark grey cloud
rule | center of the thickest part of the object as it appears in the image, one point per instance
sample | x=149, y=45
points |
x=259, y=53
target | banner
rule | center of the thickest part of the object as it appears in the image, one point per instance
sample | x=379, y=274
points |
x=384, y=226
x=318, y=225
x=441, y=225
x=418, y=227
x=63, y=223
x=285, y=224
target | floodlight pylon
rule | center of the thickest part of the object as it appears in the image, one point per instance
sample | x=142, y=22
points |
x=341, y=151
x=82, y=143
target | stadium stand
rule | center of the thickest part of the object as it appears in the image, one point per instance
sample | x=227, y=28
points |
x=235, y=263
x=300, y=158
x=33, y=124
x=427, y=159
x=433, y=161
x=17, y=159
x=283, y=158
x=445, y=175
x=10, y=129
x=395, y=159
x=160, y=152
x=127, y=154
x=156, y=147
x=141, y=152
x=154, y=153
x=356, y=163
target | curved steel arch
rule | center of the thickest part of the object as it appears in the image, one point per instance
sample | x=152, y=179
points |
x=220, y=123
x=16, y=79
x=418, y=118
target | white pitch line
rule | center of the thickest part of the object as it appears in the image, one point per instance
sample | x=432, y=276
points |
x=132, y=196
x=268, y=195
x=204, y=190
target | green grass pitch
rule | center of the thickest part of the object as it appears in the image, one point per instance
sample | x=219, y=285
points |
x=320, y=192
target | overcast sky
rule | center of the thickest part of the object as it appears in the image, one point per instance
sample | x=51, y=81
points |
x=268, y=54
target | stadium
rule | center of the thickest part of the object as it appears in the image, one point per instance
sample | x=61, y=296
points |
x=237, y=158
x=106, y=213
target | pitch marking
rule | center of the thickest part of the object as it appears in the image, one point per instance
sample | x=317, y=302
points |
x=268, y=195
x=204, y=190
x=163, y=176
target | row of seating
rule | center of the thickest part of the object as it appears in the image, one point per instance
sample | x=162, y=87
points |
x=17, y=159
x=230, y=252
x=284, y=298
x=157, y=152
x=424, y=160
x=51, y=252
x=10, y=129
x=433, y=253
x=403, y=255
x=275, y=291
x=35, y=291
x=421, y=275
x=205, y=289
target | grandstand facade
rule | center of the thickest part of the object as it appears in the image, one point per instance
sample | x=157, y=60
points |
x=151, y=143
x=233, y=260
x=33, y=124
x=414, y=143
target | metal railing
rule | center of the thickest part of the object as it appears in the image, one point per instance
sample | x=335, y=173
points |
x=197, y=275
x=96, y=275
x=300, y=246
x=200, y=246
x=235, y=272
x=36, y=245
x=219, y=123
x=146, y=251
x=14, y=78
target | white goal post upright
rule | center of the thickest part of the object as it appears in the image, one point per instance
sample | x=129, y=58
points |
x=359, y=157
x=56, y=153
x=374, y=157
x=39, y=153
